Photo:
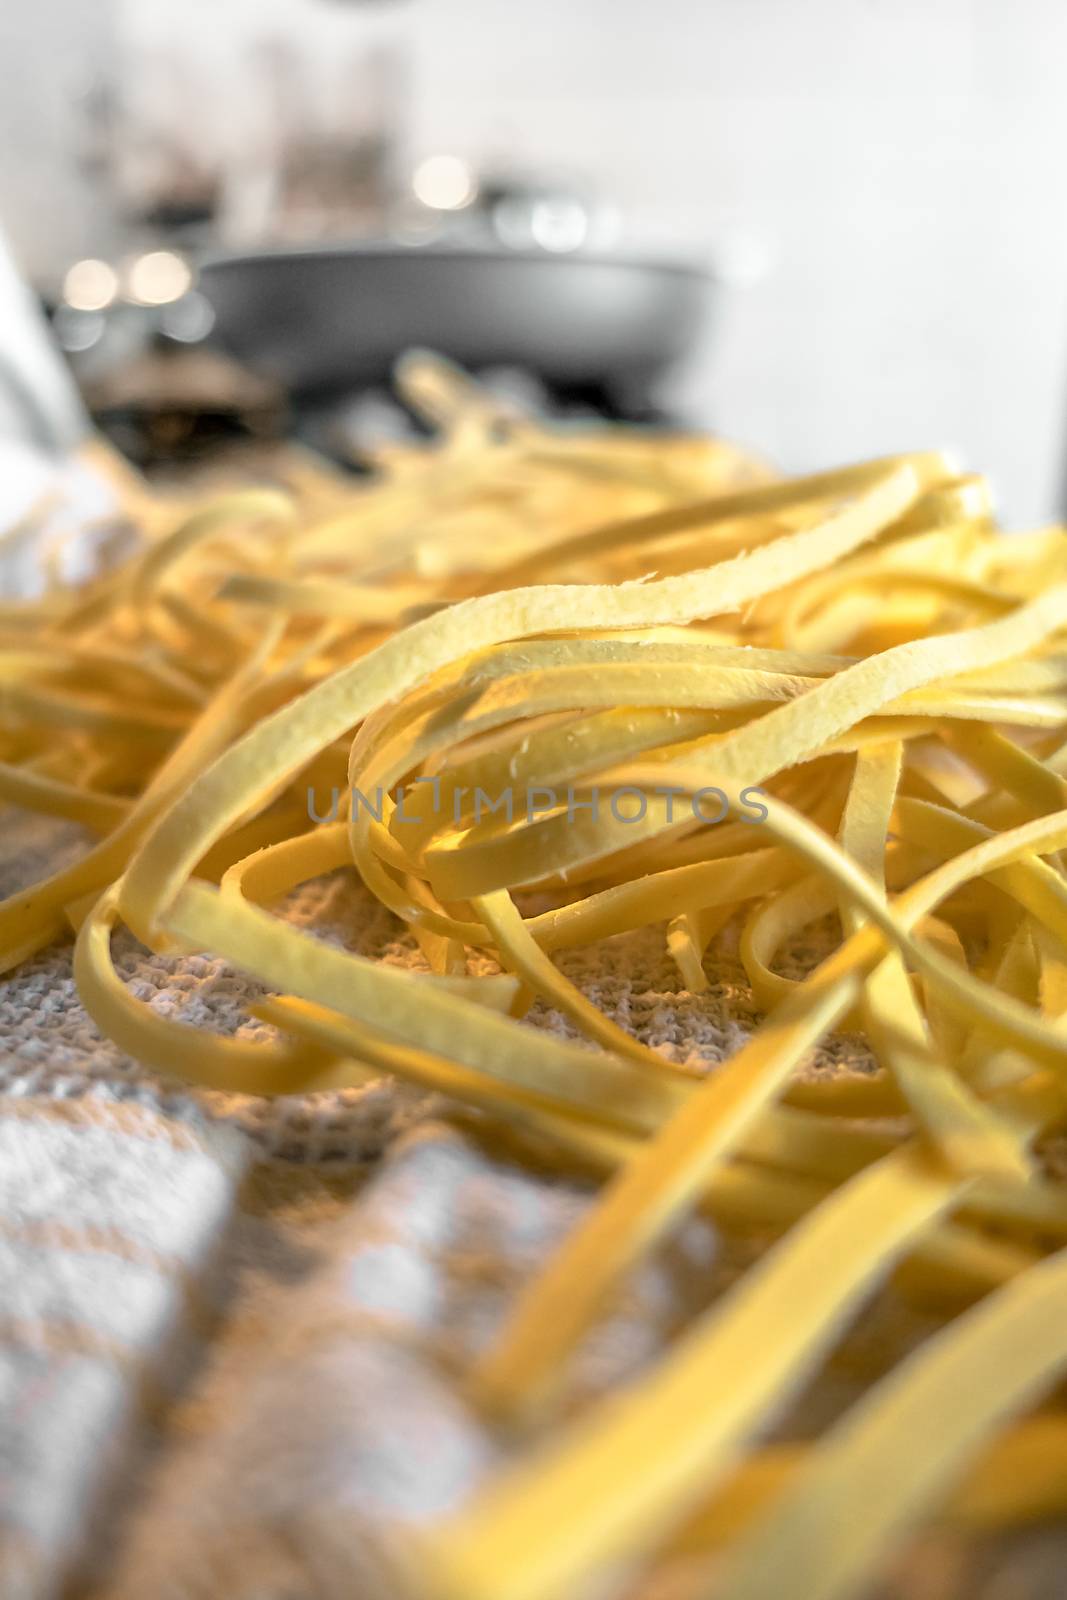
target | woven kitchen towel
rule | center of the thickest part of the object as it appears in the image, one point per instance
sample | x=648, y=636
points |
x=352, y=1424
x=110, y=1218
x=331, y=1422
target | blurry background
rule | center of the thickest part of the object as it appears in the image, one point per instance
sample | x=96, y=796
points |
x=873, y=184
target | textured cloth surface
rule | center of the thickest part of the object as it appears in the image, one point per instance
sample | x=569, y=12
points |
x=110, y=1219
x=240, y=1329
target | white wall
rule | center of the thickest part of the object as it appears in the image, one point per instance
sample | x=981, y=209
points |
x=900, y=160
x=51, y=52
x=897, y=161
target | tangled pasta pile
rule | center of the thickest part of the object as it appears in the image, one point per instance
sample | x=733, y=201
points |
x=543, y=686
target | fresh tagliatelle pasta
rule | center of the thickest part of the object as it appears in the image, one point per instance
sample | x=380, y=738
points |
x=543, y=685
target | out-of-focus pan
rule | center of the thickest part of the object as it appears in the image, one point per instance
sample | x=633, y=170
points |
x=328, y=320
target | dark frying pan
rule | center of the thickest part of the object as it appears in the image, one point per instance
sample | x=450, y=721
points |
x=327, y=321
